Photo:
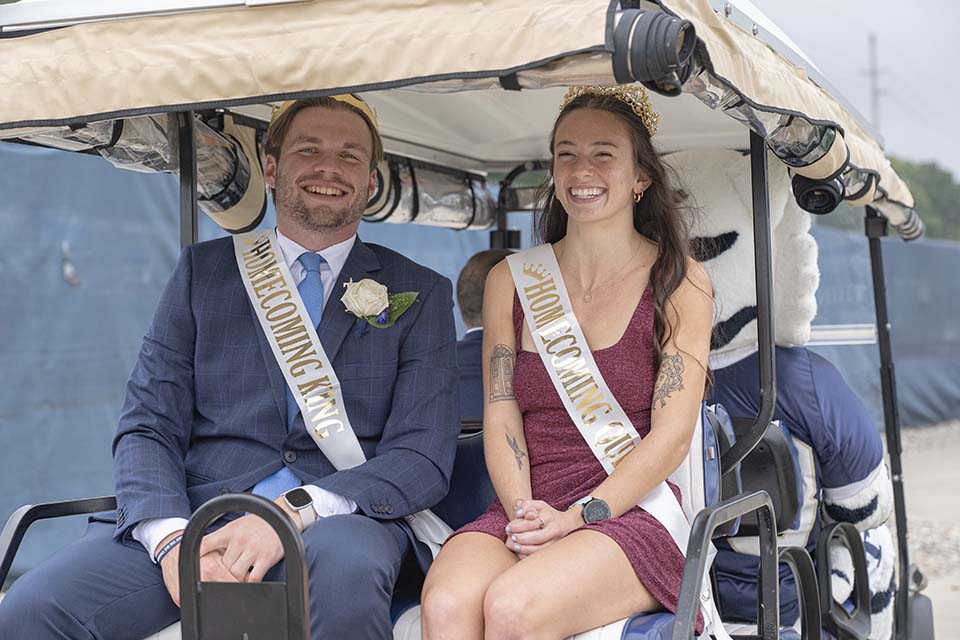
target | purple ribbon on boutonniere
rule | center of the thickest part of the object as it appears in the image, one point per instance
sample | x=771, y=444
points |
x=373, y=305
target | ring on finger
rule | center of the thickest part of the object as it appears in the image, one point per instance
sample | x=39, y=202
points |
x=542, y=523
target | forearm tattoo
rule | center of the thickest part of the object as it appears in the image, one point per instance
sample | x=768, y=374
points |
x=518, y=453
x=501, y=373
x=669, y=379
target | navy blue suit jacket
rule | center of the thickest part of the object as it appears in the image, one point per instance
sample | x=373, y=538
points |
x=469, y=359
x=205, y=409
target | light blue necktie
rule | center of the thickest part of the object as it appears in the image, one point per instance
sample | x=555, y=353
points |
x=311, y=290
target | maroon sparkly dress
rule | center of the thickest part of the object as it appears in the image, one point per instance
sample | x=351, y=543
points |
x=563, y=469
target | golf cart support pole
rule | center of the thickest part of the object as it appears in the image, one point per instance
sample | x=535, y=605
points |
x=875, y=227
x=187, y=156
x=764, y=276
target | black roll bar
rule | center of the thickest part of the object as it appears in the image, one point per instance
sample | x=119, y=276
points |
x=239, y=609
x=764, y=279
x=187, y=167
x=875, y=227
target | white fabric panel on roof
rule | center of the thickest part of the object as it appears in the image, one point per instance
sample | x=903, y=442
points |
x=504, y=128
x=231, y=57
x=217, y=56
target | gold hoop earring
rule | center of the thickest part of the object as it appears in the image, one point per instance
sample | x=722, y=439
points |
x=637, y=197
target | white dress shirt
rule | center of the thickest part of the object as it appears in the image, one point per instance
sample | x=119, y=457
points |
x=151, y=532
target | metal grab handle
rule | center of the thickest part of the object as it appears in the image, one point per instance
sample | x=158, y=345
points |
x=701, y=532
x=298, y=609
x=835, y=619
x=808, y=590
x=21, y=519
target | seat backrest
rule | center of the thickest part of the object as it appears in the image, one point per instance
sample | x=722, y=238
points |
x=470, y=489
x=773, y=467
x=718, y=484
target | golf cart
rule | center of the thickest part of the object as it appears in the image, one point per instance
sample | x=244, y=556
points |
x=462, y=95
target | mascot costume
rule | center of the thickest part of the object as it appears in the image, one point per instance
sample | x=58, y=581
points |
x=839, y=453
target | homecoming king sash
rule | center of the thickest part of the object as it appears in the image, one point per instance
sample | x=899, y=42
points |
x=588, y=400
x=305, y=365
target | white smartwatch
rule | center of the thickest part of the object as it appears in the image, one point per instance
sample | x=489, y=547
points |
x=299, y=500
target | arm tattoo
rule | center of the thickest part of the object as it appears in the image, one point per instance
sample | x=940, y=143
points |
x=501, y=373
x=518, y=453
x=669, y=379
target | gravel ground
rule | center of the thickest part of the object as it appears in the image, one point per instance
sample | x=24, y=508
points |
x=931, y=469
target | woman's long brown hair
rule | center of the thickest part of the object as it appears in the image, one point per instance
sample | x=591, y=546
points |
x=657, y=216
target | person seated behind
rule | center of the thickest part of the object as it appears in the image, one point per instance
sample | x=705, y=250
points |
x=566, y=548
x=208, y=412
x=470, y=287
x=840, y=456
x=839, y=451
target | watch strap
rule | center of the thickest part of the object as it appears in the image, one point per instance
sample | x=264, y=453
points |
x=308, y=515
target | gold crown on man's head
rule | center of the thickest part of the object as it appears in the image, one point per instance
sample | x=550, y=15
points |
x=633, y=95
x=354, y=101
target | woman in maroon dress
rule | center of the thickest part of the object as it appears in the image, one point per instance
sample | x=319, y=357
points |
x=565, y=549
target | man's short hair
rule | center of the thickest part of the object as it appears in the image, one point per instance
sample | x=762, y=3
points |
x=277, y=130
x=471, y=281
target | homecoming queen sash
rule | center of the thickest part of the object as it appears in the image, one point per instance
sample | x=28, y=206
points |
x=305, y=365
x=588, y=400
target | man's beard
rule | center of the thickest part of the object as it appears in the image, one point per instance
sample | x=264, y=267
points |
x=318, y=218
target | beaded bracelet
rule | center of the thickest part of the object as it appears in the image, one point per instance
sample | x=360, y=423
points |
x=167, y=548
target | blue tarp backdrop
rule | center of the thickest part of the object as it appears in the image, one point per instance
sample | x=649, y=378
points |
x=87, y=248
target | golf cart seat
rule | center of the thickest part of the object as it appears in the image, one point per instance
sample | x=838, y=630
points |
x=718, y=435
x=470, y=494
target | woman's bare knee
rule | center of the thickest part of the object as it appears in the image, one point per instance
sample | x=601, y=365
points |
x=452, y=598
x=450, y=607
x=508, y=612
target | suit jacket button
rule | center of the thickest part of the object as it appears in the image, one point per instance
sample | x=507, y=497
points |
x=224, y=491
x=388, y=509
x=290, y=456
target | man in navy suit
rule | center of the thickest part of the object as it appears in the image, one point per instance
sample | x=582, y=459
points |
x=207, y=413
x=470, y=285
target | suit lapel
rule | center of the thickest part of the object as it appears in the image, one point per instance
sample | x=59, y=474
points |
x=277, y=384
x=334, y=325
x=337, y=321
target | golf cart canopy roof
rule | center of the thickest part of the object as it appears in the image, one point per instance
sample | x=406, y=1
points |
x=453, y=85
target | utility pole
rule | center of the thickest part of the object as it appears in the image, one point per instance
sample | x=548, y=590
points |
x=874, y=72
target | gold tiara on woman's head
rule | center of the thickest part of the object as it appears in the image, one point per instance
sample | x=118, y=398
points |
x=633, y=95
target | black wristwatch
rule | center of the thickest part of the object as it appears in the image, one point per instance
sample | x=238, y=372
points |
x=594, y=509
x=299, y=500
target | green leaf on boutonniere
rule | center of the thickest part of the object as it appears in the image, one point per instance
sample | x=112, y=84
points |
x=399, y=302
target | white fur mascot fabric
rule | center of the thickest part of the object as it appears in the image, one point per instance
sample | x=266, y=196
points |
x=838, y=485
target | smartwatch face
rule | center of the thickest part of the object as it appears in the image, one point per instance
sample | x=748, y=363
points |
x=595, y=511
x=298, y=498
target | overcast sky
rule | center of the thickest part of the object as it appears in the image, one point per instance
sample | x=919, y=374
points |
x=918, y=50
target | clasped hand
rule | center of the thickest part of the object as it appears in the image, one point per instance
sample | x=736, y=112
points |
x=240, y=551
x=536, y=525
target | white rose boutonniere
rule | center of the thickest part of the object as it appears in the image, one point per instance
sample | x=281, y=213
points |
x=370, y=300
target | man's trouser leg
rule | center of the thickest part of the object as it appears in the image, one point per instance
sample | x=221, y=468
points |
x=353, y=564
x=94, y=588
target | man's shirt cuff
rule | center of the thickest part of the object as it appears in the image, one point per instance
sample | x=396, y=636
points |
x=327, y=503
x=151, y=532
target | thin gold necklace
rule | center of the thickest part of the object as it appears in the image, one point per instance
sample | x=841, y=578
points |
x=588, y=292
